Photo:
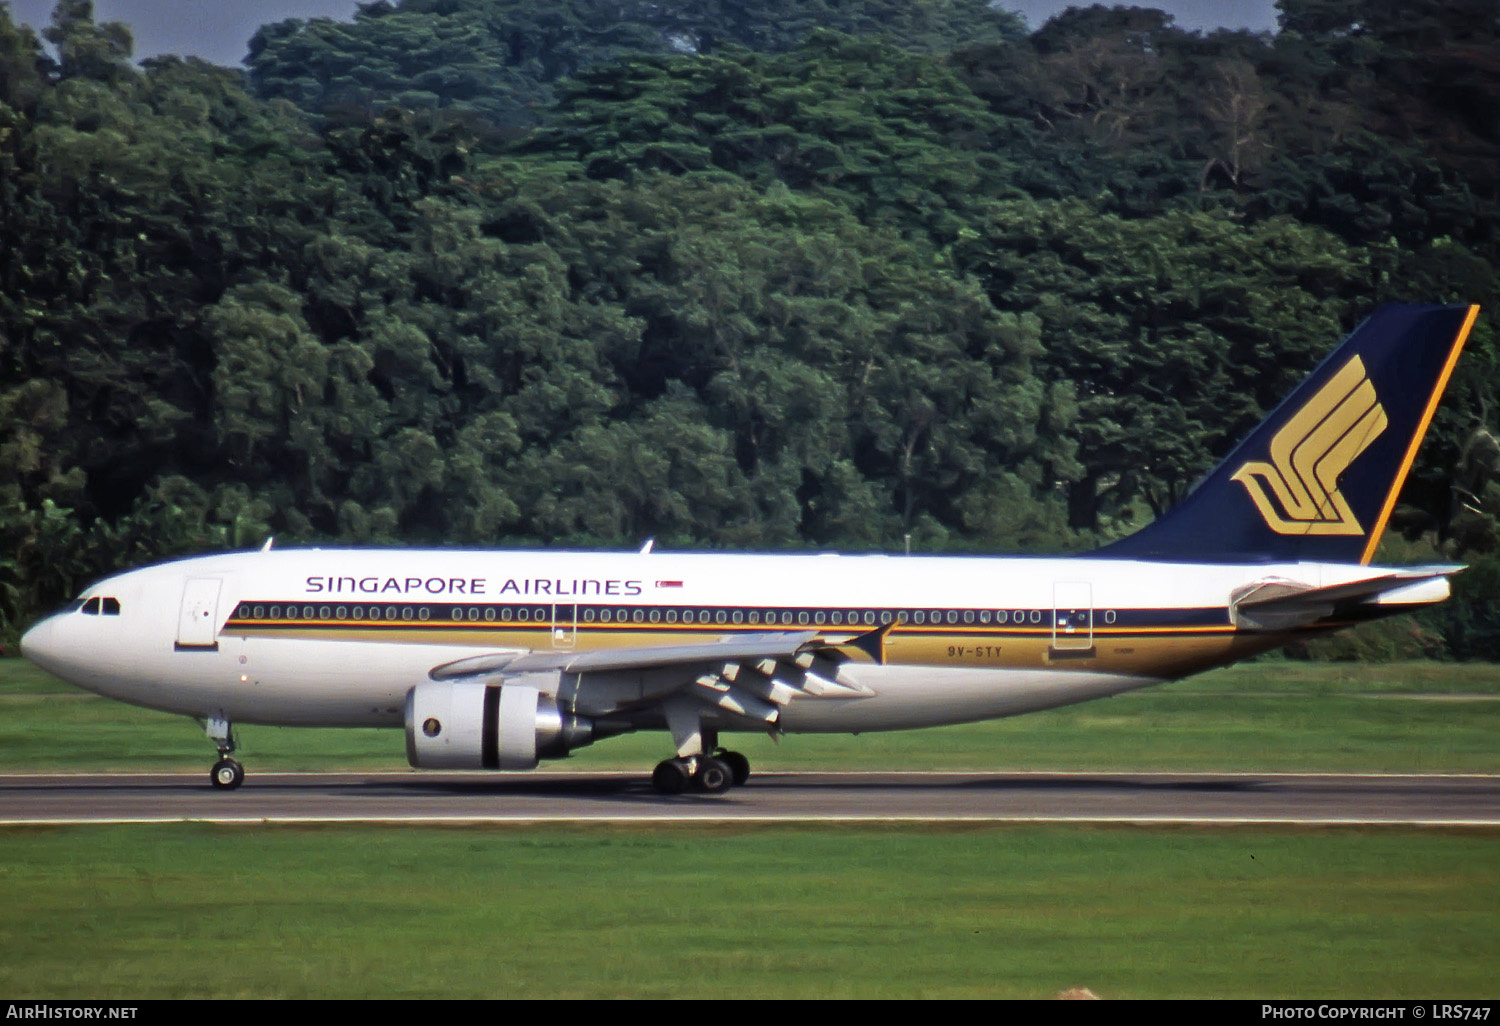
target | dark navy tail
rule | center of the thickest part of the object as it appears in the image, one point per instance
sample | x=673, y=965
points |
x=1318, y=478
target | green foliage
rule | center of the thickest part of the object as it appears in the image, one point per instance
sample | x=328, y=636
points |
x=497, y=60
x=841, y=364
x=771, y=274
x=891, y=134
x=1178, y=333
x=1470, y=622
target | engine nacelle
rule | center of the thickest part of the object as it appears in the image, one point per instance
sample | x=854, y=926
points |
x=464, y=725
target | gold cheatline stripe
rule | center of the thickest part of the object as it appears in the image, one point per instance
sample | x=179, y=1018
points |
x=1416, y=439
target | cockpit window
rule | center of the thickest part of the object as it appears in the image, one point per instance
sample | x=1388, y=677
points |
x=111, y=607
x=91, y=607
x=97, y=605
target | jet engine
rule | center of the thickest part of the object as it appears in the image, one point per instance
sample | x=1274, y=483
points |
x=472, y=725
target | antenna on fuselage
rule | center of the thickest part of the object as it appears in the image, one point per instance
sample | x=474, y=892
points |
x=646, y=548
x=267, y=546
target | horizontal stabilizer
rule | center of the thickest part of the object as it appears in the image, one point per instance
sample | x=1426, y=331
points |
x=1275, y=605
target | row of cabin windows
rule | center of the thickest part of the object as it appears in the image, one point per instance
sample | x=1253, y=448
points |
x=544, y=614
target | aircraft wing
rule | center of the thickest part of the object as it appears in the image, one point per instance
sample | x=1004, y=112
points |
x=1278, y=605
x=751, y=676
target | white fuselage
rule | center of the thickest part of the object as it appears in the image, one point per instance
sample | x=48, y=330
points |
x=338, y=637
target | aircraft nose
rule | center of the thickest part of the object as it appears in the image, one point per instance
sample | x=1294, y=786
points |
x=40, y=644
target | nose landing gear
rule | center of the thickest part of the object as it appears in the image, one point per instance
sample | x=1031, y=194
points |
x=227, y=774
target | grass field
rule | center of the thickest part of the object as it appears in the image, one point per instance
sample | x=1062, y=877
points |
x=204, y=912
x=1405, y=717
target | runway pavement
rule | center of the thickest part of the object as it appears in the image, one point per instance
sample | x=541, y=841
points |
x=594, y=797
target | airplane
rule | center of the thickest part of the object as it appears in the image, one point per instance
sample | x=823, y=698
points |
x=495, y=660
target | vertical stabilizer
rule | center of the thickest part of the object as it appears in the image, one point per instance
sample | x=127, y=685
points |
x=1317, y=480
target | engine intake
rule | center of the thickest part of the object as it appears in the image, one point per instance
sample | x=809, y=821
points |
x=465, y=725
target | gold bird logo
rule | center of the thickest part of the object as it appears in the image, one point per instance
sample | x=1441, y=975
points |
x=1311, y=453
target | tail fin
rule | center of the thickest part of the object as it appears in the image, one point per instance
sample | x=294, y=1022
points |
x=1318, y=478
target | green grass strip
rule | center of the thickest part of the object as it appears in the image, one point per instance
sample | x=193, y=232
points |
x=198, y=911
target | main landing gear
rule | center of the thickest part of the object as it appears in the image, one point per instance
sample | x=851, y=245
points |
x=227, y=773
x=694, y=767
x=713, y=774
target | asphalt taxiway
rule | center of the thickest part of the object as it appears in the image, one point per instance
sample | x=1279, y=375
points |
x=1206, y=798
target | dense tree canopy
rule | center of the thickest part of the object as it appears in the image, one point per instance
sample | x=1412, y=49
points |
x=498, y=59
x=765, y=275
